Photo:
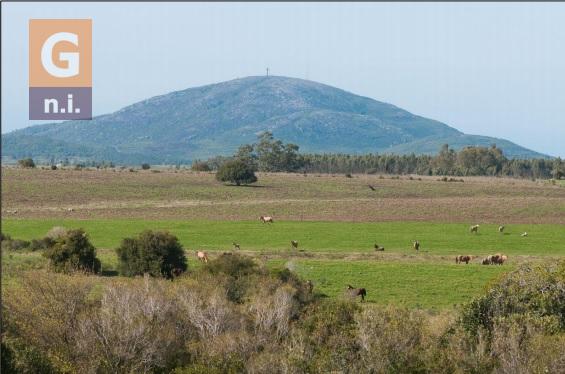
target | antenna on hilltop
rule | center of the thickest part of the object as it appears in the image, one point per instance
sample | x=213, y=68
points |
x=267, y=72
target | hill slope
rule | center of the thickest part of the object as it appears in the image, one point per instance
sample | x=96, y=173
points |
x=215, y=119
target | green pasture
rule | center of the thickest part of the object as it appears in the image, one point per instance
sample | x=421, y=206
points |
x=415, y=285
x=332, y=237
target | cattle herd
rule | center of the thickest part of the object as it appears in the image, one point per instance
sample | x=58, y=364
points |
x=496, y=259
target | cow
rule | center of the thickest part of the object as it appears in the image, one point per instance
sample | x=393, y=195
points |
x=524, y=234
x=474, y=229
x=354, y=292
x=266, y=219
x=294, y=244
x=377, y=248
x=236, y=246
x=202, y=256
x=416, y=245
x=463, y=258
x=501, y=229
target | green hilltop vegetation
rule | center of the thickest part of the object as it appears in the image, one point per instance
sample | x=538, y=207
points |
x=216, y=119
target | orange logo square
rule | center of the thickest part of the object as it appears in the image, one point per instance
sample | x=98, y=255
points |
x=60, y=53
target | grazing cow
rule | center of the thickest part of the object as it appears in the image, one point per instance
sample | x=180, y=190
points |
x=416, y=245
x=524, y=234
x=498, y=259
x=266, y=219
x=463, y=258
x=202, y=256
x=294, y=244
x=377, y=248
x=487, y=260
x=474, y=229
x=501, y=229
x=236, y=246
x=70, y=210
x=354, y=292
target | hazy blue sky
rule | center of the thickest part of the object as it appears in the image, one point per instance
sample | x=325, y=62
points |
x=488, y=69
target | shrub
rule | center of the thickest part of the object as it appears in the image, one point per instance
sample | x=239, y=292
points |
x=239, y=269
x=41, y=244
x=145, y=166
x=56, y=232
x=530, y=290
x=200, y=166
x=26, y=163
x=233, y=265
x=236, y=172
x=156, y=253
x=14, y=244
x=71, y=252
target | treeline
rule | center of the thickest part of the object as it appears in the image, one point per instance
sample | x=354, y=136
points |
x=470, y=161
x=271, y=155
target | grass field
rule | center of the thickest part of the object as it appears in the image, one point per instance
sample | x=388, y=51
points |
x=336, y=221
x=184, y=195
x=336, y=237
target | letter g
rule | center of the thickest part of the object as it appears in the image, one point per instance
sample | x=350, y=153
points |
x=71, y=57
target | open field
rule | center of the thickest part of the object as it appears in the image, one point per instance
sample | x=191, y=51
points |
x=330, y=237
x=168, y=194
x=335, y=219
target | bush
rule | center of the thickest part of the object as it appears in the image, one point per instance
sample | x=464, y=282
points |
x=71, y=252
x=53, y=167
x=41, y=244
x=56, y=232
x=26, y=163
x=145, y=166
x=239, y=269
x=14, y=244
x=200, y=166
x=156, y=253
x=236, y=172
x=530, y=290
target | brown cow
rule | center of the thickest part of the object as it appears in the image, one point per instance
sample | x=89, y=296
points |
x=357, y=292
x=498, y=259
x=463, y=258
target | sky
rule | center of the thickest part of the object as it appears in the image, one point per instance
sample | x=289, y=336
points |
x=483, y=68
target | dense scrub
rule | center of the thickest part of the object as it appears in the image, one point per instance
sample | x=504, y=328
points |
x=235, y=316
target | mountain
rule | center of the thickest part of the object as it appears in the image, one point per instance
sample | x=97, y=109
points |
x=216, y=119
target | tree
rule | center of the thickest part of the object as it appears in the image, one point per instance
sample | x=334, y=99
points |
x=246, y=154
x=26, y=163
x=73, y=251
x=200, y=166
x=237, y=172
x=157, y=253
